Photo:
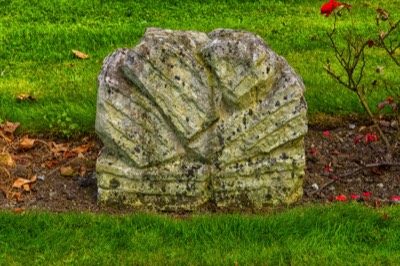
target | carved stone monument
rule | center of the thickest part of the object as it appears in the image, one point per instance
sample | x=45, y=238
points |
x=188, y=118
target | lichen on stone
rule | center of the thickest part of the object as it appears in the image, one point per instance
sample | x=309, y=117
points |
x=188, y=118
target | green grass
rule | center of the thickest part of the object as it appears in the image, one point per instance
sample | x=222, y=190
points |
x=338, y=234
x=37, y=37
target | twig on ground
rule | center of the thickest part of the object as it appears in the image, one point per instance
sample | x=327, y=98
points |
x=63, y=165
x=338, y=177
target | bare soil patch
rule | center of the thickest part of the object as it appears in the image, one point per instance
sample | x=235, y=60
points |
x=58, y=175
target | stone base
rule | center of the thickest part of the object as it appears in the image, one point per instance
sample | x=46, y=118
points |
x=187, y=185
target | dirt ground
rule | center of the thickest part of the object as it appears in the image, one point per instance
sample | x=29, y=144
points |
x=58, y=175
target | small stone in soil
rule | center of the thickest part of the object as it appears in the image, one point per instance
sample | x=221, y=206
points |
x=85, y=182
x=41, y=178
x=315, y=186
x=70, y=197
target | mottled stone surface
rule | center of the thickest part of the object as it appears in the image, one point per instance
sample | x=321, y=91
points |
x=189, y=118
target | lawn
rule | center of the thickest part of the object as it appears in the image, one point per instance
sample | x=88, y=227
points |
x=37, y=38
x=36, y=59
x=339, y=234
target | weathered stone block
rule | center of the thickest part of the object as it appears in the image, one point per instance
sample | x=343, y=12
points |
x=188, y=117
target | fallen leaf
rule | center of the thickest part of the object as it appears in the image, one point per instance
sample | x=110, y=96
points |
x=354, y=196
x=69, y=154
x=80, y=54
x=326, y=133
x=4, y=189
x=7, y=130
x=59, y=148
x=362, y=128
x=6, y=159
x=51, y=163
x=376, y=171
x=67, y=171
x=26, y=143
x=341, y=198
x=385, y=216
x=23, y=97
x=335, y=152
x=313, y=151
x=82, y=171
x=395, y=198
x=20, y=182
x=366, y=194
x=15, y=195
x=26, y=187
x=19, y=210
x=83, y=148
x=11, y=127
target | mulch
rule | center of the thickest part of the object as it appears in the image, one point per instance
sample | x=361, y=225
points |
x=58, y=175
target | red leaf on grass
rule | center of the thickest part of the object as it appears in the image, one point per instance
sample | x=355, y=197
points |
x=313, y=151
x=326, y=133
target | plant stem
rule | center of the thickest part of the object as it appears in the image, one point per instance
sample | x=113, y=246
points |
x=365, y=105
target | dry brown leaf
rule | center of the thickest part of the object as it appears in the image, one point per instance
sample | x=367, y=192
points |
x=7, y=130
x=69, y=154
x=83, y=148
x=362, y=128
x=15, y=195
x=67, y=171
x=6, y=159
x=20, y=182
x=59, y=148
x=11, y=127
x=23, y=97
x=26, y=187
x=26, y=143
x=4, y=189
x=80, y=54
x=82, y=171
x=19, y=210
